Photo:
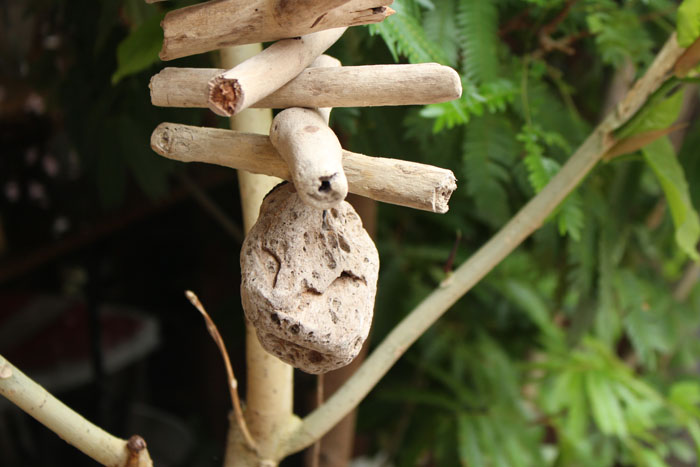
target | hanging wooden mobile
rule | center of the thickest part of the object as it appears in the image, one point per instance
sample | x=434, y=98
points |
x=309, y=268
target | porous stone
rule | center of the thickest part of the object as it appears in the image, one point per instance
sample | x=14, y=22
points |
x=309, y=281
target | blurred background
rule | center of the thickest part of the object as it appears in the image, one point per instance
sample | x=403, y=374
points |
x=581, y=349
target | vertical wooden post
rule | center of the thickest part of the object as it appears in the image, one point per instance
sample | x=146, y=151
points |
x=269, y=392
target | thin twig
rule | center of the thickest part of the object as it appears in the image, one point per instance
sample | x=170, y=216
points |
x=525, y=222
x=233, y=383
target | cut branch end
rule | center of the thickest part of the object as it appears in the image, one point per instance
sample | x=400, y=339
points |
x=225, y=96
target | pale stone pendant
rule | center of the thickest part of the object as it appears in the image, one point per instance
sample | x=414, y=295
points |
x=309, y=281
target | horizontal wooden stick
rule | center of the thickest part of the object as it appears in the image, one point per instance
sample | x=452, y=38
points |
x=266, y=72
x=220, y=23
x=404, y=183
x=350, y=86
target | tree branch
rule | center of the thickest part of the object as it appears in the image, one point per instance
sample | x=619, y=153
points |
x=70, y=426
x=405, y=183
x=351, y=86
x=215, y=24
x=525, y=222
x=233, y=382
x=269, y=381
x=266, y=72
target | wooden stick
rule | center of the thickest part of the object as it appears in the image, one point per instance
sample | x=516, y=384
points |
x=350, y=86
x=312, y=151
x=266, y=72
x=93, y=441
x=404, y=183
x=220, y=23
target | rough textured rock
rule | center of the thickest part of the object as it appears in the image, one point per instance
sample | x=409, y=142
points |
x=309, y=281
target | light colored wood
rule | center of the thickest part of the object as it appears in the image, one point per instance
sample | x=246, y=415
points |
x=264, y=73
x=93, y=441
x=313, y=154
x=312, y=151
x=269, y=382
x=351, y=86
x=394, y=181
x=220, y=23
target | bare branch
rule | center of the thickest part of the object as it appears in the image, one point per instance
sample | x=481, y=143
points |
x=92, y=440
x=525, y=222
x=233, y=382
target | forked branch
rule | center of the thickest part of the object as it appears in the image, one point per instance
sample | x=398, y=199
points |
x=92, y=440
x=525, y=222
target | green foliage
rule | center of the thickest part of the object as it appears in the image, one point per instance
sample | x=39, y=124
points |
x=478, y=34
x=139, y=50
x=688, y=22
x=661, y=158
x=575, y=350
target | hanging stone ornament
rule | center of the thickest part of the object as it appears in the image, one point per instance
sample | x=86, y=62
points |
x=309, y=281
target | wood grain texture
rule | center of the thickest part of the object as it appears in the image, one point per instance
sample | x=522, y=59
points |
x=221, y=23
x=410, y=184
x=261, y=75
x=351, y=86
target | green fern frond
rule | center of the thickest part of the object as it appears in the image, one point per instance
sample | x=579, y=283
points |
x=478, y=31
x=541, y=169
x=404, y=35
x=489, y=149
x=440, y=27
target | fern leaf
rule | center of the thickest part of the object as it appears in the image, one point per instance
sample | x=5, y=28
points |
x=440, y=27
x=404, y=35
x=489, y=149
x=478, y=31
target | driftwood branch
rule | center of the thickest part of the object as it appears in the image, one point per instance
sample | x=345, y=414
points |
x=312, y=152
x=71, y=427
x=351, y=86
x=221, y=23
x=404, y=183
x=525, y=222
x=264, y=73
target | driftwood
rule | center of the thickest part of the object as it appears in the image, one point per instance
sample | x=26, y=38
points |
x=266, y=72
x=312, y=151
x=404, y=183
x=216, y=24
x=351, y=86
